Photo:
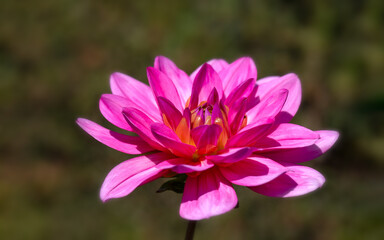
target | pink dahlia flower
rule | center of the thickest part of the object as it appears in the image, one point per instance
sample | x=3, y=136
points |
x=219, y=126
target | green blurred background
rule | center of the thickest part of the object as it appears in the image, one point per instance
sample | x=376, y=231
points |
x=55, y=61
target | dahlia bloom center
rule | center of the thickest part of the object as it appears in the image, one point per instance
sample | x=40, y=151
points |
x=212, y=114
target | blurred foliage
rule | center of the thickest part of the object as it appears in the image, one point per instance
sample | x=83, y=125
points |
x=55, y=61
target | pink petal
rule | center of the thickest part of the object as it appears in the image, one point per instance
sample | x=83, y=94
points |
x=207, y=195
x=216, y=113
x=206, y=80
x=162, y=86
x=236, y=114
x=187, y=116
x=299, y=180
x=217, y=64
x=111, y=106
x=170, y=140
x=249, y=135
x=242, y=90
x=291, y=82
x=171, y=113
x=140, y=124
x=233, y=155
x=287, y=135
x=268, y=108
x=136, y=91
x=302, y=154
x=206, y=135
x=237, y=72
x=179, y=78
x=267, y=80
x=128, y=175
x=253, y=171
x=120, y=142
x=181, y=165
x=213, y=97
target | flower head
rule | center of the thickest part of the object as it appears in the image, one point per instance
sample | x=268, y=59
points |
x=219, y=126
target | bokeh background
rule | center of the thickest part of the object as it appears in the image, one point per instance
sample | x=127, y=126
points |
x=55, y=62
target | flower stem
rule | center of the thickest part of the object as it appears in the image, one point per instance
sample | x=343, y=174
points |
x=190, y=230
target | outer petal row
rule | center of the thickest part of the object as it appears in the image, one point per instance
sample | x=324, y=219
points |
x=111, y=106
x=128, y=175
x=253, y=171
x=120, y=142
x=209, y=194
x=287, y=136
x=136, y=91
x=299, y=180
x=302, y=154
x=268, y=86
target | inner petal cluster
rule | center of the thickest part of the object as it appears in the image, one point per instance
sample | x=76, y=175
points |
x=207, y=126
